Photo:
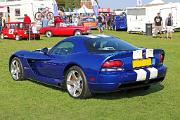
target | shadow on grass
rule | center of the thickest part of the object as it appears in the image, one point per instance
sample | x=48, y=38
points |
x=49, y=86
x=130, y=93
x=115, y=95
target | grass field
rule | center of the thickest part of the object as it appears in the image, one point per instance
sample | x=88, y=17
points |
x=27, y=100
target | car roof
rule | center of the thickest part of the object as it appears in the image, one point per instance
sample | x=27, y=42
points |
x=79, y=40
x=87, y=37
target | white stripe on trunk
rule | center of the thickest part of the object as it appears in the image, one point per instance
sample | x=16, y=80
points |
x=153, y=73
x=141, y=75
x=149, y=53
x=137, y=54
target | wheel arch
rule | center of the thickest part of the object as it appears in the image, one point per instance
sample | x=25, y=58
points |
x=77, y=30
x=69, y=66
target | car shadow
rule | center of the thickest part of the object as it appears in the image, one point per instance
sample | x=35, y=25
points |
x=115, y=95
x=130, y=93
x=48, y=86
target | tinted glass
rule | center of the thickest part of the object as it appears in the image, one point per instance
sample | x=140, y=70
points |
x=108, y=45
x=64, y=48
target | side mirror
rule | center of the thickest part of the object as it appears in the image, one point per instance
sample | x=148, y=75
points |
x=45, y=50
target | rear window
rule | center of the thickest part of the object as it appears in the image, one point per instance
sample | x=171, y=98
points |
x=109, y=44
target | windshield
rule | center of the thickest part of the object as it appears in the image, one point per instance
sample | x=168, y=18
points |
x=109, y=44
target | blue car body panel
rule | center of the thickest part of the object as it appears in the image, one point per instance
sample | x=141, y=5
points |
x=50, y=69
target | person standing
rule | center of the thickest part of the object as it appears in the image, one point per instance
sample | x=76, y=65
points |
x=1, y=24
x=100, y=24
x=158, y=25
x=45, y=21
x=169, y=26
x=27, y=21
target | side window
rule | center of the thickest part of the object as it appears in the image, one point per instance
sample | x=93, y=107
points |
x=64, y=48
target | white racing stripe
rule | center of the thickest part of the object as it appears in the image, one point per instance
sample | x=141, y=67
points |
x=153, y=73
x=101, y=35
x=92, y=36
x=137, y=54
x=149, y=53
x=141, y=75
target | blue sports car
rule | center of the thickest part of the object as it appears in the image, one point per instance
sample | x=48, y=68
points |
x=90, y=64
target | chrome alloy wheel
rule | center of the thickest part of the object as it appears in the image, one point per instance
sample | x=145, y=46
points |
x=49, y=34
x=15, y=69
x=74, y=83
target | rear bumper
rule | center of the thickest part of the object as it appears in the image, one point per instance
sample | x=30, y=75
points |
x=124, y=80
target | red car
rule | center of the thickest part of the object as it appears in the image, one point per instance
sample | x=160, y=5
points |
x=18, y=31
x=64, y=29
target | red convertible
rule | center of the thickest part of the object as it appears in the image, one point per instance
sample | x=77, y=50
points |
x=19, y=30
x=64, y=29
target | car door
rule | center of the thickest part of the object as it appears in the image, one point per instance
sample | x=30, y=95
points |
x=59, y=57
x=61, y=30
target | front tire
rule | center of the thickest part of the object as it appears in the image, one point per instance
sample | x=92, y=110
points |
x=49, y=34
x=16, y=69
x=76, y=83
x=77, y=33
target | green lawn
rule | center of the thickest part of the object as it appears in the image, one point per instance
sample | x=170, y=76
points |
x=27, y=100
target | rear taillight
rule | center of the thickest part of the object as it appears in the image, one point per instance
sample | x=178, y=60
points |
x=161, y=57
x=113, y=64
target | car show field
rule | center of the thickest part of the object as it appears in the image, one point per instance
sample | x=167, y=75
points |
x=31, y=100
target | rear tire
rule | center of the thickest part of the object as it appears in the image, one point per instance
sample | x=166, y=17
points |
x=16, y=69
x=49, y=34
x=77, y=33
x=17, y=38
x=38, y=16
x=76, y=83
x=2, y=36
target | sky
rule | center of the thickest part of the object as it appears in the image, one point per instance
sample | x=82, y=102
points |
x=114, y=4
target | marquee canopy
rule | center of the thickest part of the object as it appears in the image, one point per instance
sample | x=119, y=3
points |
x=84, y=9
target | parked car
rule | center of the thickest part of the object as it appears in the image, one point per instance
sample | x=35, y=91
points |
x=90, y=64
x=120, y=22
x=89, y=22
x=18, y=31
x=65, y=29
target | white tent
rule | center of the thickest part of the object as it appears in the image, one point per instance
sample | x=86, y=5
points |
x=84, y=9
x=156, y=2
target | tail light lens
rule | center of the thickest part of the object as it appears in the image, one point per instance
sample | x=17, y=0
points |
x=161, y=58
x=113, y=64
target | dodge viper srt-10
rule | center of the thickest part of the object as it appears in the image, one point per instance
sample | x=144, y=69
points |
x=84, y=65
